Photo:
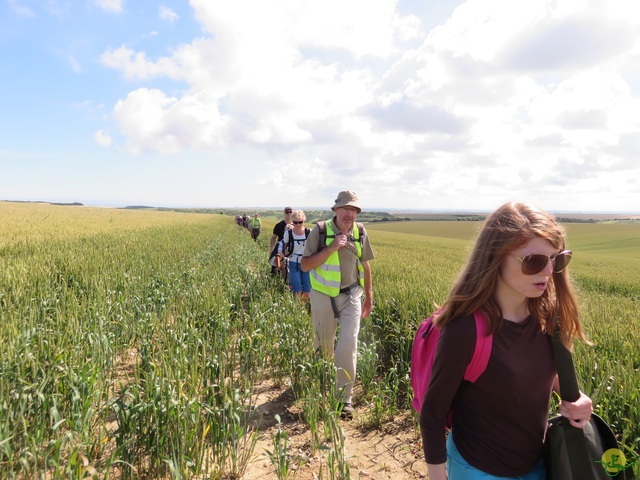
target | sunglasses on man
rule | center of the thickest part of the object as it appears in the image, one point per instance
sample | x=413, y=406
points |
x=536, y=262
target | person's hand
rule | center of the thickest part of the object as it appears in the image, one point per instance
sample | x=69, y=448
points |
x=367, y=306
x=578, y=412
x=340, y=241
x=437, y=472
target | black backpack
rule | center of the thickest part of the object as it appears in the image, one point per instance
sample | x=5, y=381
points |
x=287, y=247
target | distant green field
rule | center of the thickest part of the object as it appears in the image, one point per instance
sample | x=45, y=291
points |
x=619, y=239
x=443, y=229
x=606, y=256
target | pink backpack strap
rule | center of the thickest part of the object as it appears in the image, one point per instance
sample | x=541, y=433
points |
x=482, y=350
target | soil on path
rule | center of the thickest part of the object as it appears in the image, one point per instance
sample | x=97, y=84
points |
x=393, y=451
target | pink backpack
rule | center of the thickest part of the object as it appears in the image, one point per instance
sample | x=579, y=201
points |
x=423, y=352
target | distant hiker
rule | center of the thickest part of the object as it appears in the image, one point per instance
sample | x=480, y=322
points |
x=239, y=221
x=246, y=221
x=292, y=247
x=256, y=226
x=337, y=254
x=516, y=276
x=278, y=234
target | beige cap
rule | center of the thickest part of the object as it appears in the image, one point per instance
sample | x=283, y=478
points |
x=347, y=198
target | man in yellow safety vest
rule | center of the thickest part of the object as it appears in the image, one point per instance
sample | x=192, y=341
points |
x=337, y=254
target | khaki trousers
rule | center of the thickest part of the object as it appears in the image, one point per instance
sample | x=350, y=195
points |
x=349, y=307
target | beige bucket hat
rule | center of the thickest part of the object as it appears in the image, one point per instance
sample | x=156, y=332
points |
x=347, y=198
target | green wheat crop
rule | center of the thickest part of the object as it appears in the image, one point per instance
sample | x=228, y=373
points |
x=133, y=341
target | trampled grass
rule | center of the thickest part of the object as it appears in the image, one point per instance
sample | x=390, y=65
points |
x=132, y=341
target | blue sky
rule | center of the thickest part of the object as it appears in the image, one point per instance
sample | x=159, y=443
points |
x=413, y=104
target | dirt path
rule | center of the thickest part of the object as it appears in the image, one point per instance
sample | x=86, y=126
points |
x=393, y=452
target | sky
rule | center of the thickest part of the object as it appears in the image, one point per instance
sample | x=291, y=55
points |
x=412, y=104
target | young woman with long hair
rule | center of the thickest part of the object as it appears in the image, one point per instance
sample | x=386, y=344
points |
x=517, y=278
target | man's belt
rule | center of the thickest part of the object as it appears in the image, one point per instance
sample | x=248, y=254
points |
x=349, y=288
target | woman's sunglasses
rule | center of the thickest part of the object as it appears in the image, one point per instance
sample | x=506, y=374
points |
x=298, y=223
x=536, y=262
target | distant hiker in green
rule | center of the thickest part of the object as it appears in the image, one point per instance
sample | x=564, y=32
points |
x=256, y=226
x=337, y=255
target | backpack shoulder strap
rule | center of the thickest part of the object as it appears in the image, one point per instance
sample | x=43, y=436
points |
x=360, y=230
x=287, y=242
x=322, y=229
x=482, y=349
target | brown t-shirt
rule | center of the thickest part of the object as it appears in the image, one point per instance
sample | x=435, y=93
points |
x=348, y=265
x=500, y=420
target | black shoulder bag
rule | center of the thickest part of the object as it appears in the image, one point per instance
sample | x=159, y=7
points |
x=573, y=453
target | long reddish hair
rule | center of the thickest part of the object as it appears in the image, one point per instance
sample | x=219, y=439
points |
x=510, y=227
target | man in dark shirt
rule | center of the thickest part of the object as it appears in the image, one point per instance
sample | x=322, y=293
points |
x=278, y=232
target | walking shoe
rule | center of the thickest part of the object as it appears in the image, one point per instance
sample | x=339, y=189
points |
x=346, y=411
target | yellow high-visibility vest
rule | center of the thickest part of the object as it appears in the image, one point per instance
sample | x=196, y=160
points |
x=326, y=278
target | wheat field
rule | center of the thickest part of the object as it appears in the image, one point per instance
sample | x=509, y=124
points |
x=132, y=340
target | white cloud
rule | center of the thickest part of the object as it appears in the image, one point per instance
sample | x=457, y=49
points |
x=137, y=66
x=358, y=27
x=154, y=122
x=165, y=13
x=102, y=138
x=110, y=5
x=506, y=99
